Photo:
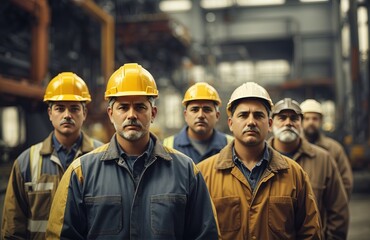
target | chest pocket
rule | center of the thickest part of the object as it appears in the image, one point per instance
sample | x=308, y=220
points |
x=167, y=213
x=281, y=216
x=228, y=213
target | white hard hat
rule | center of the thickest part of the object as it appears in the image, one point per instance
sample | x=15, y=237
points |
x=249, y=90
x=311, y=105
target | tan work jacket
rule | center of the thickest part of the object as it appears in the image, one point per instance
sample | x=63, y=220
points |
x=340, y=156
x=281, y=207
x=328, y=188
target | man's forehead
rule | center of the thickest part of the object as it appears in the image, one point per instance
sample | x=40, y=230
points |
x=251, y=104
x=201, y=103
x=67, y=103
x=132, y=99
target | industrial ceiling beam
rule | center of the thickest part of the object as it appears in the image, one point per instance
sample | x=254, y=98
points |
x=21, y=88
x=40, y=36
x=107, y=34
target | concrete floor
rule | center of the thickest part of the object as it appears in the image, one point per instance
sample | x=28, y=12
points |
x=359, y=228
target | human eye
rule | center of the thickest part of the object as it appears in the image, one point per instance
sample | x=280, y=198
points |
x=140, y=107
x=282, y=117
x=294, y=118
x=207, y=109
x=59, y=108
x=243, y=115
x=194, y=109
x=122, y=107
x=75, y=109
x=259, y=115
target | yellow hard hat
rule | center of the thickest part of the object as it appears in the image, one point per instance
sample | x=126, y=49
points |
x=286, y=104
x=67, y=86
x=129, y=80
x=311, y=105
x=249, y=90
x=201, y=91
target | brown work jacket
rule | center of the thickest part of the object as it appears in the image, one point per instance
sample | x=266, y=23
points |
x=328, y=188
x=282, y=205
x=340, y=157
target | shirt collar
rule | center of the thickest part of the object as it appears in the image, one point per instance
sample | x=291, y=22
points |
x=59, y=147
x=147, y=152
x=265, y=156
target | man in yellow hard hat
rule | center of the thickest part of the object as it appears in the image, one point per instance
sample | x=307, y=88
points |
x=258, y=193
x=312, y=124
x=132, y=187
x=38, y=170
x=199, y=139
x=326, y=182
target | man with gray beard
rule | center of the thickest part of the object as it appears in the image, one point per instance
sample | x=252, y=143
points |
x=321, y=168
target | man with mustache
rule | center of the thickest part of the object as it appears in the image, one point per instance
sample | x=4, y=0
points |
x=258, y=193
x=312, y=124
x=199, y=139
x=321, y=168
x=132, y=187
x=38, y=170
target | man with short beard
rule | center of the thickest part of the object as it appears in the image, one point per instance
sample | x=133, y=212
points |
x=312, y=123
x=320, y=166
x=133, y=187
x=37, y=171
x=199, y=139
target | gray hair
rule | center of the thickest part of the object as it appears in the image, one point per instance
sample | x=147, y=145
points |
x=51, y=103
x=112, y=100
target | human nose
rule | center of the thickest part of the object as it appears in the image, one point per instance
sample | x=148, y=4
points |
x=251, y=121
x=201, y=113
x=67, y=114
x=288, y=122
x=131, y=113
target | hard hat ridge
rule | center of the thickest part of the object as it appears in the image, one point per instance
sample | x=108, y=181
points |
x=286, y=104
x=129, y=80
x=67, y=86
x=201, y=91
x=249, y=90
x=311, y=105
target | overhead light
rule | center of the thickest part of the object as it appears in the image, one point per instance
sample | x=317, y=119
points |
x=175, y=5
x=259, y=2
x=213, y=4
x=313, y=1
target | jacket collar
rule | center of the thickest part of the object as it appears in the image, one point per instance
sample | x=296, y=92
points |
x=304, y=149
x=112, y=152
x=224, y=159
x=47, y=145
x=215, y=142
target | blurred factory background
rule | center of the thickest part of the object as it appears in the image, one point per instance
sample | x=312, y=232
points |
x=295, y=48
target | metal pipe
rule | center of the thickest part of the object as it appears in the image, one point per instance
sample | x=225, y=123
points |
x=40, y=37
x=107, y=34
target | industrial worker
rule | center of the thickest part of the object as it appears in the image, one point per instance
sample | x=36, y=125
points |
x=258, y=193
x=132, y=187
x=37, y=171
x=199, y=139
x=312, y=125
x=321, y=168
